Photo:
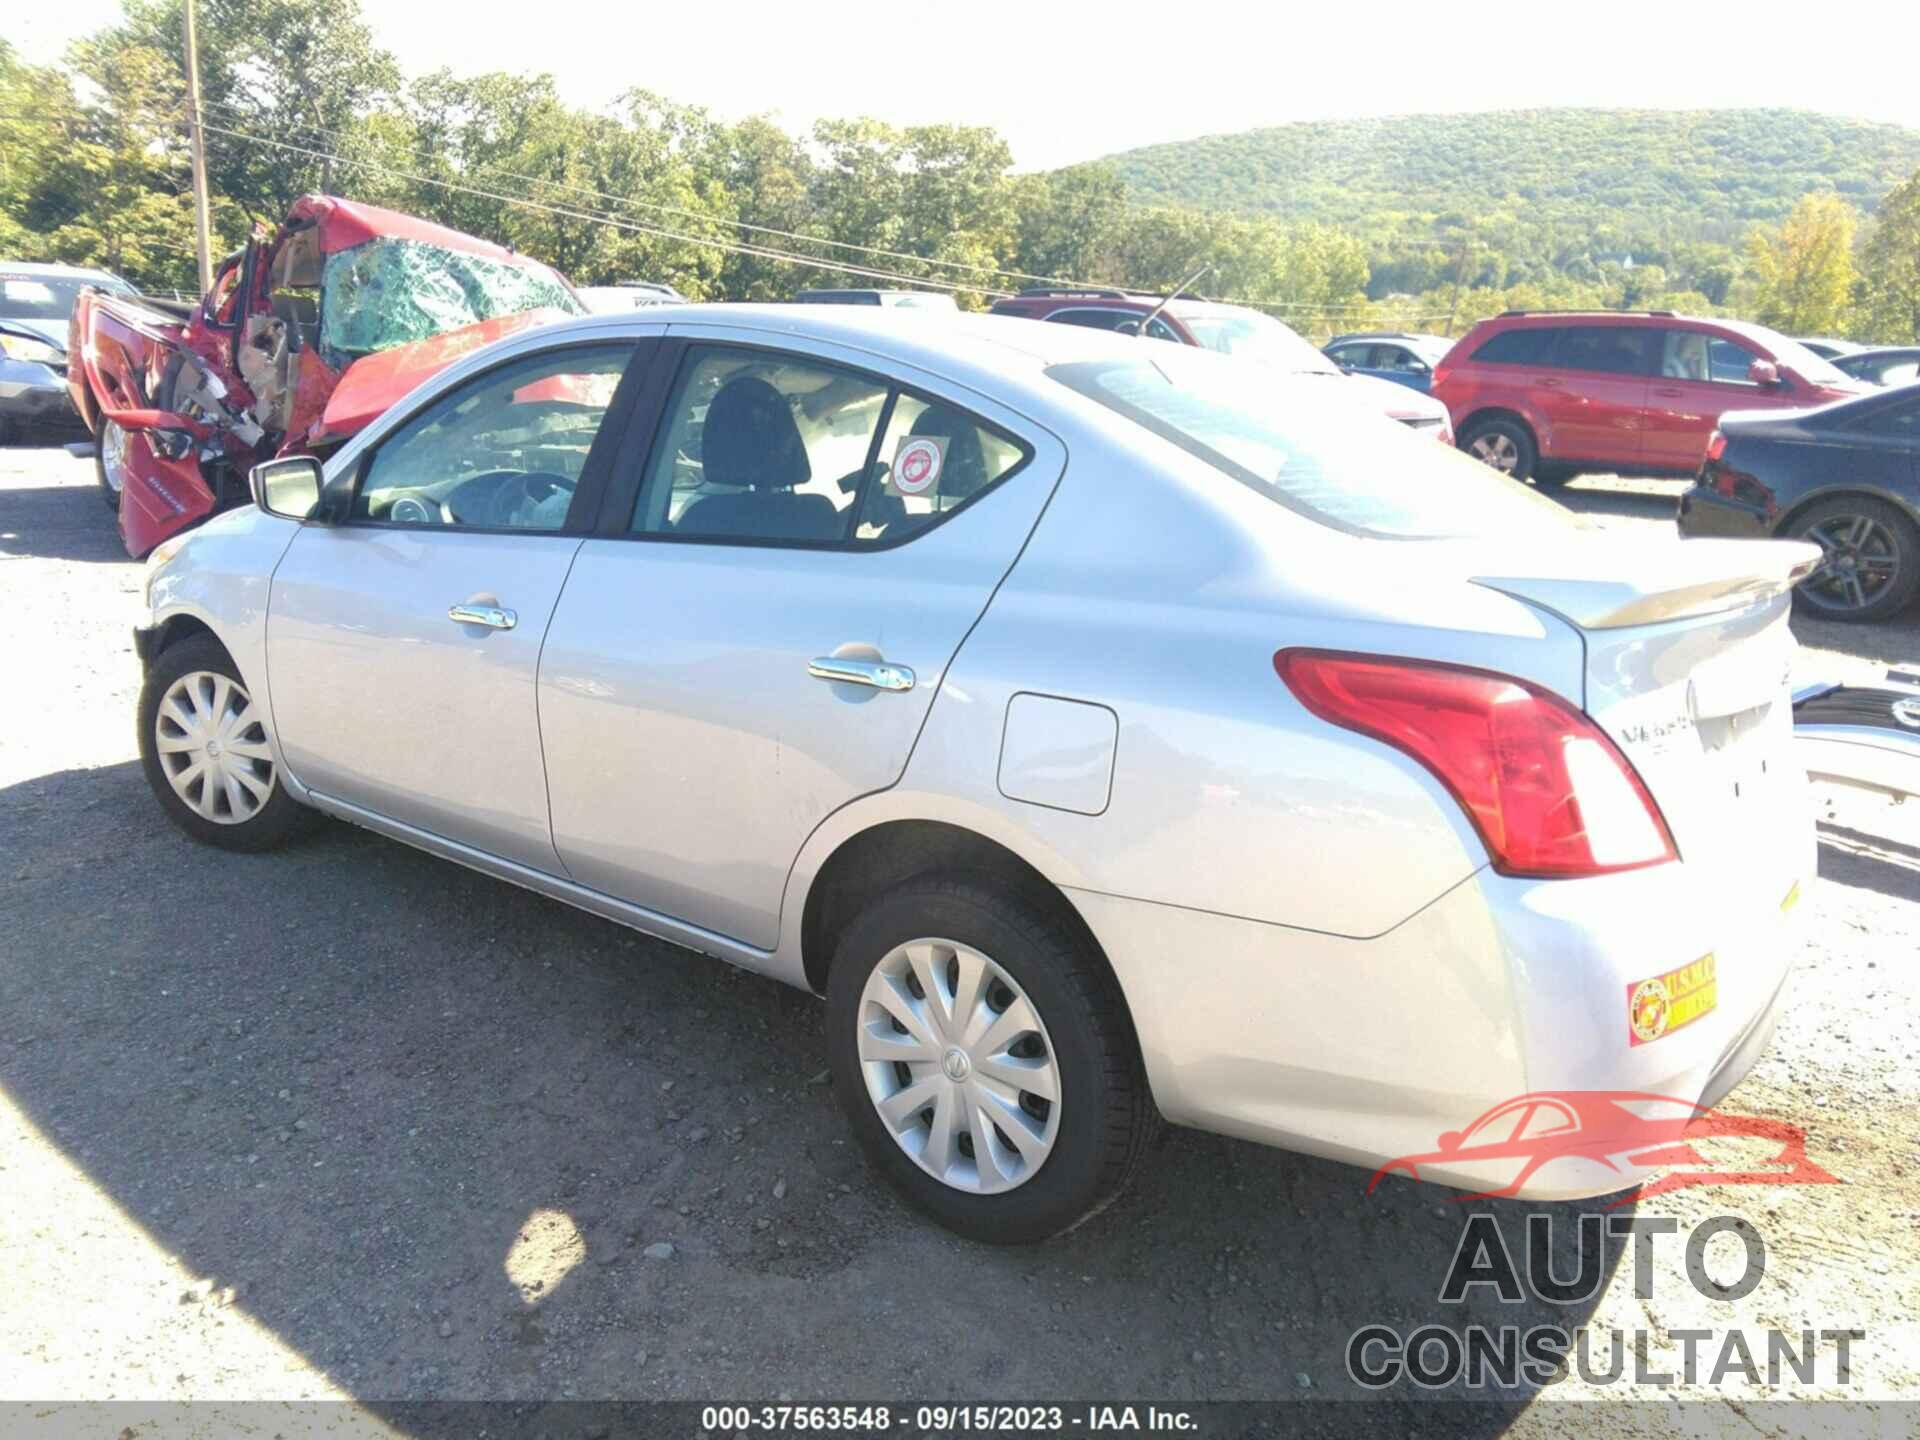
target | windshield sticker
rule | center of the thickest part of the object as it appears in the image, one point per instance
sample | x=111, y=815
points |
x=29, y=292
x=918, y=462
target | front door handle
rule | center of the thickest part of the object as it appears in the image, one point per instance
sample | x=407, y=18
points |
x=491, y=616
x=877, y=673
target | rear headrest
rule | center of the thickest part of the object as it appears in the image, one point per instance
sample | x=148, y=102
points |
x=750, y=438
x=965, y=470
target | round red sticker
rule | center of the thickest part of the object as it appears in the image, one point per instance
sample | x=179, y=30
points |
x=916, y=469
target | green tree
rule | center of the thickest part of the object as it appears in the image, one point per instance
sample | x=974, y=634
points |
x=1890, y=261
x=1804, y=269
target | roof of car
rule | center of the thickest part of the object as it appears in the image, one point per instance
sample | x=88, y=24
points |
x=1876, y=352
x=59, y=272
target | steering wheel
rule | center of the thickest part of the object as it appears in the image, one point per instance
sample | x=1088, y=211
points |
x=528, y=491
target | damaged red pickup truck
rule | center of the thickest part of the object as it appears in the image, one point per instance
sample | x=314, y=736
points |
x=309, y=332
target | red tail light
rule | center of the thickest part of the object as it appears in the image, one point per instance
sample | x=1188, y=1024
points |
x=1716, y=446
x=1549, y=793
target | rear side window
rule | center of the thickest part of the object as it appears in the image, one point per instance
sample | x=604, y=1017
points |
x=1355, y=472
x=764, y=447
x=1608, y=349
x=1528, y=345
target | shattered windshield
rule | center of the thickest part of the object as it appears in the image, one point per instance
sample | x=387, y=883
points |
x=393, y=292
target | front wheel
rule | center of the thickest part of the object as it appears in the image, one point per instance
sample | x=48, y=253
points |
x=206, y=752
x=985, y=1061
x=1871, y=565
x=1506, y=445
x=110, y=463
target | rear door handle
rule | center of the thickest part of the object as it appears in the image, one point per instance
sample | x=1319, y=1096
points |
x=491, y=616
x=1668, y=392
x=876, y=673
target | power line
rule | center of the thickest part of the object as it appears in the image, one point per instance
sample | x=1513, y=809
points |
x=522, y=202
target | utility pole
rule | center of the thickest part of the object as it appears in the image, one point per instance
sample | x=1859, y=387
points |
x=197, y=145
x=1459, y=276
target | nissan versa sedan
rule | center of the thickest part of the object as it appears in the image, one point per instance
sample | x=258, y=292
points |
x=1106, y=736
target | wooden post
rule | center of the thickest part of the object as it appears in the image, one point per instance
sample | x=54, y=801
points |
x=196, y=142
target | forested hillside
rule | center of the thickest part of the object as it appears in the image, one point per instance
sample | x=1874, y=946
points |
x=1546, y=188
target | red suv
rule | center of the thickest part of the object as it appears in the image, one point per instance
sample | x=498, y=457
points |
x=1548, y=394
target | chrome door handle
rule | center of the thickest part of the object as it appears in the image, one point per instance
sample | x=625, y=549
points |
x=877, y=673
x=491, y=616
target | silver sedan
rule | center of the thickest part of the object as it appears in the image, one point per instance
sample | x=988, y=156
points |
x=1106, y=734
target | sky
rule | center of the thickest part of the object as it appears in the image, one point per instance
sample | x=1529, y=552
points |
x=1072, y=81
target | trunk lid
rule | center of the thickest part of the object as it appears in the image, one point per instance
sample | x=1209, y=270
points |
x=1688, y=670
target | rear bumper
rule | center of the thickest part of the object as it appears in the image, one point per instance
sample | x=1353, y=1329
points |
x=1707, y=512
x=1368, y=1050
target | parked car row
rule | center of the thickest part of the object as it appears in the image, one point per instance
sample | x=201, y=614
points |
x=1780, y=441
x=1245, y=334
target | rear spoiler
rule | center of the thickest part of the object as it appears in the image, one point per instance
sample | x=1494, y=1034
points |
x=1670, y=582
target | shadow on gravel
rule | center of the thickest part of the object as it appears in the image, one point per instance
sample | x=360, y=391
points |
x=429, y=1126
x=59, y=522
x=1869, y=862
x=1595, y=497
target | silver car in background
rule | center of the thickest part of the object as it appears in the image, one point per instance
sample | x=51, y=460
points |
x=1106, y=734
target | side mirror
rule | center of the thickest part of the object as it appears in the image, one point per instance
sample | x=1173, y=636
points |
x=1763, y=373
x=1419, y=367
x=289, y=487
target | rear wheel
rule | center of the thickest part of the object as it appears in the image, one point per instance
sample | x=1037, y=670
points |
x=1506, y=445
x=1871, y=569
x=206, y=751
x=110, y=462
x=985, y=1061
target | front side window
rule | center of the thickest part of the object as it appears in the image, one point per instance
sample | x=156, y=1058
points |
x=758, y=446
x=1606, y=349
x=1365, y=476
x=504, y=451
x=1728, y=363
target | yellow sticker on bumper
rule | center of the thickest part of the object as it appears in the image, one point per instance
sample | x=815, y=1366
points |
x=1666, y=1003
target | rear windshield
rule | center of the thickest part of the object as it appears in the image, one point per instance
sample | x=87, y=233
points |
x=1251, y=335
x=46, y=297
x=387, y=292
x=1334, y=464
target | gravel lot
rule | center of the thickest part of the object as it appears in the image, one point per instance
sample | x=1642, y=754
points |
x=353, y=1122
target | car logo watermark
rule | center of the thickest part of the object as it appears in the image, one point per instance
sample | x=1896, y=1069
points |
x=1575, y=1140
x=1650, y=1143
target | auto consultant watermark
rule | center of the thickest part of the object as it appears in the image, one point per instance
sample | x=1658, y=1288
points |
x=1576, y=1143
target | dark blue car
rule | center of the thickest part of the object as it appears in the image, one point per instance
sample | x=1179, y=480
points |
x=1403, y=358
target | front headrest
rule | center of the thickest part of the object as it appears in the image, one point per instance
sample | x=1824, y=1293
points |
x=750, y=439
x=965, y=470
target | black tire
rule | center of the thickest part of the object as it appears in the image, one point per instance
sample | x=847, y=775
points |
x=1525, y=453
x=1890, y=537
x=1107, y=1115
x=279, y=817
x=1552, y=477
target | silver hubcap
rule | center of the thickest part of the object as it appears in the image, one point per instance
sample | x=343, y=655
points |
x=113, y=455
x=1497, y=450
x=213, y=748
x=959, y=1066
x=1862, y=560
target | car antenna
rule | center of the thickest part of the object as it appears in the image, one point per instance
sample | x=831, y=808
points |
x=1188, y=283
